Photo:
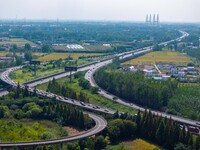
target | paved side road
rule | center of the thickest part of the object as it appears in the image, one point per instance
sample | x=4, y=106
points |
x=2, y=93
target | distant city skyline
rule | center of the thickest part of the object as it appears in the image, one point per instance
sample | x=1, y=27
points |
x=101, y=10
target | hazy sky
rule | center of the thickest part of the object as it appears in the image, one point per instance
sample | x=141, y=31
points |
x=116, y=10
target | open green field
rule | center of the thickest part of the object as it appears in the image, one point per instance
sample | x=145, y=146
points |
x=23, y=75
x=137, y=144
x=17, y=41
x=160, y=57
x=13, y=130
x=57, y=56
x=95, y=99
x=3, y=54
x=11, y=53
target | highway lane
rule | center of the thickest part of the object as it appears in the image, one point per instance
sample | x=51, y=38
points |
x=102, y=92
x=58, y=76
x=2, y=93
x=89, y=77
x=100, y=124
x=5, y=77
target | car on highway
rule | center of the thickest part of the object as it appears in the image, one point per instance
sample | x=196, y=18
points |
x=82, y=103
x=97, y=107
x=198, y=123
x=106, y=110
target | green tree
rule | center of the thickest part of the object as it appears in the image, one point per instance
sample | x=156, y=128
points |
x=46, y=49
x=28, y=56
x=27, y=46
x=160, y=133
x=100, y=143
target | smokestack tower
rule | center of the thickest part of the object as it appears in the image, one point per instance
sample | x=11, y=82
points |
x=154, y=19
x=150, y=19
x=158, y=19
x=147, y=19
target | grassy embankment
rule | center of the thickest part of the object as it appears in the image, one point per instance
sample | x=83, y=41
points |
x=93, y=98
x=137, y=144
x=29, y=130
x=23, y=74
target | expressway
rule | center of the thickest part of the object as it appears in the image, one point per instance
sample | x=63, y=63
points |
x=90, y=78
x=2, y=93
x=100, y=124
x=5, y=77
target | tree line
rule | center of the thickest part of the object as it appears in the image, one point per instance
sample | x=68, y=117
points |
x=65, y=90
x=134, y=87
x=163, y=131
x=22, y=104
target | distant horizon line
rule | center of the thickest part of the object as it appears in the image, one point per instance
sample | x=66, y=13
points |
x=91, y=20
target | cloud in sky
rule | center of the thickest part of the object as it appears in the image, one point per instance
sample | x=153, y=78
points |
x=122, y=10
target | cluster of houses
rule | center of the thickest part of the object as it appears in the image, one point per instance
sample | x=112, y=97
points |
x=185, y=74
x=166, y=71
x=6, y=59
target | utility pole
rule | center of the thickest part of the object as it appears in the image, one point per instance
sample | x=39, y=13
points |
x=70, y=69
x=35, y=63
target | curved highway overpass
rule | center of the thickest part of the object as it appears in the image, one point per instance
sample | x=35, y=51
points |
x=100, y=124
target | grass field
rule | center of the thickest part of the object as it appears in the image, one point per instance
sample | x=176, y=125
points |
x=13, y=130
x=57, y=56
x=11, y=53
x=137, y=144
x=5, y=53
x=17, y=41
x=160, y=57
x=21, y=76
x=93, y=98
x=188, y=84
x=140, y=144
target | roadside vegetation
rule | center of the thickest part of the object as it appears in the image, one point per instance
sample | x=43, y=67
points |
x=163, y=132
x=80, y=89
x=135, y=88
x=185, y=102
x=180, y=99
x=29, y=130
x=137, y=144
x=25, y=117
x=27, y=72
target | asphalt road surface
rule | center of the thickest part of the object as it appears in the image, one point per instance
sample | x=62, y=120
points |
x=100, y=125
